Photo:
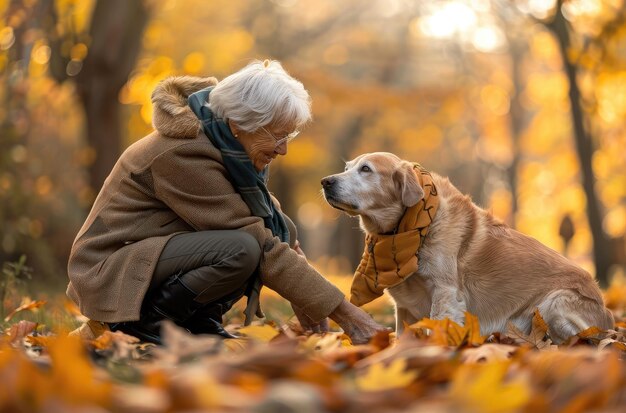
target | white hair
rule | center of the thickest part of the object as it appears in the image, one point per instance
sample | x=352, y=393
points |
x=259, y=94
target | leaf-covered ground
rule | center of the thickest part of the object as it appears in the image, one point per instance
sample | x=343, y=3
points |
x=435, y=366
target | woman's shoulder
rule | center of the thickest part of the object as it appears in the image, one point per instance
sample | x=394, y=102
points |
x=159, y=148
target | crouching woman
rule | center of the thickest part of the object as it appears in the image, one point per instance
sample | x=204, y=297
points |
x=184, y=225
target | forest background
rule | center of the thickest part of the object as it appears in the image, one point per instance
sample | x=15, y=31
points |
x=522, y=103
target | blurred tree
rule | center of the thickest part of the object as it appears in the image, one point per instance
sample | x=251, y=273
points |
x=116, y=34
x=24, y=21
x=603, y=245
x=39, y=41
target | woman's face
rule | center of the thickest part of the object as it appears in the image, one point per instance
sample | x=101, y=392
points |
x=261, y=144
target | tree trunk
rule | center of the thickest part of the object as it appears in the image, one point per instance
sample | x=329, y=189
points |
x=116, y=33
x=584, y=149
x=516, y=117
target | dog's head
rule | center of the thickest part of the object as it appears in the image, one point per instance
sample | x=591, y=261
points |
x=377, y=187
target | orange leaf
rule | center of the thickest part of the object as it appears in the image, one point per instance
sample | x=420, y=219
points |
x=473, y=330
x=41, y=341
x=438, y=328
x=448, y=333
x=73, y=374
x=30, y=305
x=590, y=332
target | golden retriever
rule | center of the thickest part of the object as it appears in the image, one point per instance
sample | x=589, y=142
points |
x=468, y=261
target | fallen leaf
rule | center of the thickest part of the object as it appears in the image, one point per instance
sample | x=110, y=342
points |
x=180, y=345
x=380, y=377
x=381, y=339
x=323, y=343
x=20, y=330
x=612, y=343
x=538, y=336
x=73, y=309
x=73, y=376
x=418, y=353
x=484, y=388
x=26, y=306
x=41, y=341
x=590, y=332
x=264, y=333
x=236, y=345
x=447, y=332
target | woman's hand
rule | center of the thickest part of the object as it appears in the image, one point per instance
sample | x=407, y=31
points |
x=307, y=323
x=355, y=322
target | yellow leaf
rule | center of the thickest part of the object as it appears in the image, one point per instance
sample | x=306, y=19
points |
x=236, y=345
x=381, y=377
x=263, y=333
x=482, y=388
x=473, y=330
x=28, y=305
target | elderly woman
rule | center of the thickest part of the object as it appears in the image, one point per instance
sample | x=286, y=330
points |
x=184, y=225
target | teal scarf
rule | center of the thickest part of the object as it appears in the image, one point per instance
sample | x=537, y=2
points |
x=250, y=184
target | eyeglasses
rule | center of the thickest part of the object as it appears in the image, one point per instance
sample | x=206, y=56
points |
x=285, y=139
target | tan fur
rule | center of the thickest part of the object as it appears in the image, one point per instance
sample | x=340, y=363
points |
x=172, y=115
x=470, y=261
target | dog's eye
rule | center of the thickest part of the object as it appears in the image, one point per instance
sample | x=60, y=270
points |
x=365, y=168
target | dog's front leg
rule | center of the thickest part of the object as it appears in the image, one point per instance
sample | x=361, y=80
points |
x=403, y=315
x=448, y=303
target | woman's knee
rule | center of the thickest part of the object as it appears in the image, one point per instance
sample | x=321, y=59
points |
x=244, y=254
x=250, y=255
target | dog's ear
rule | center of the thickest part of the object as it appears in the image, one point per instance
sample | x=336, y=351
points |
x=406, y=181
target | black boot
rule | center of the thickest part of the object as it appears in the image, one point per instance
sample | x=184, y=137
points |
x=173, y=300
x=208, y=320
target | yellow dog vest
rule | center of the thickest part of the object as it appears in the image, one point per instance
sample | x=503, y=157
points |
x=389, y=259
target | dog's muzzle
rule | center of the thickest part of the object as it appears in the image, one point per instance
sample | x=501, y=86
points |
x=329, y=185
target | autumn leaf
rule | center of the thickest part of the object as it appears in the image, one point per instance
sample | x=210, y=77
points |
x=28, y=305
x=40, y=341
x=380, y=377
x=538, y=336
x=590, y=332
x=73, y=309
x=20, y=330
x=447, y=332
x=473, y=330
x=440, y=334
x=612, y=343
x=236, y=345
x=264, y=333
x=484, y=388
x=73, y=375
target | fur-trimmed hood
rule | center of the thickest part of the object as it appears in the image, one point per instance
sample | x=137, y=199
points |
x=171, y=115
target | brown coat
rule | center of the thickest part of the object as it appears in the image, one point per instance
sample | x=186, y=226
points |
x=169, y=182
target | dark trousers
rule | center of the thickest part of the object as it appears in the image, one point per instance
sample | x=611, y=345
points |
x=215, y=266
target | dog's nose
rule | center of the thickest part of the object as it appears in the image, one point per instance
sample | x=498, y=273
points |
x=328, y=182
